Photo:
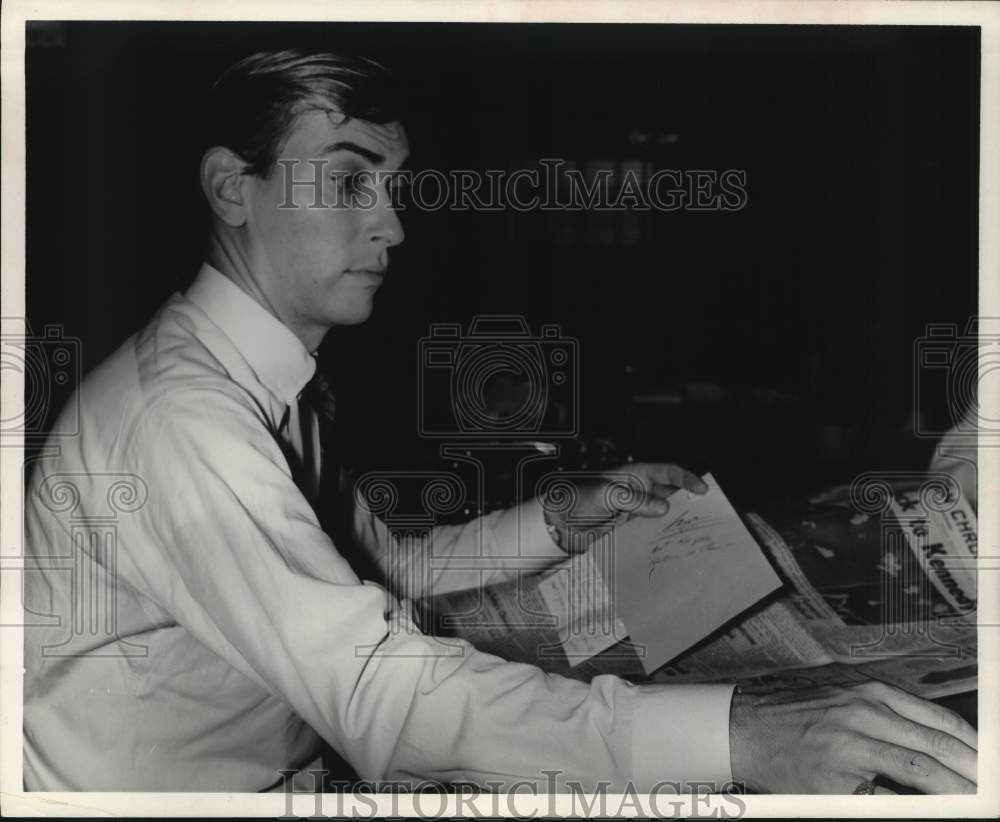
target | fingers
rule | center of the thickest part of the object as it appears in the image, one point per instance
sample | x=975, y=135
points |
x=926, y=713
x=935, y=745
x=653, y=504
x=654, y=501
x=918, y=770
x=651, y=475
x=949, y=751
x=695, y=484
x=925, y=741
x=669, y=474
x=664, y=491
x=642, y=496
x=921, y=725
x=652, y=484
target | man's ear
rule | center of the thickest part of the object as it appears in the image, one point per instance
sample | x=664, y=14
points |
x=224, y=185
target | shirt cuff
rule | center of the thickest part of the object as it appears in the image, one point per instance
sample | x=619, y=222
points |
x=680, y=737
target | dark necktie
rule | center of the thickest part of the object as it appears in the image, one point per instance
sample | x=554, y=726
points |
x=335, y=507
x=319, y=396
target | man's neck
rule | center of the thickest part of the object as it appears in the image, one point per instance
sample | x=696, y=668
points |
x=233, y=265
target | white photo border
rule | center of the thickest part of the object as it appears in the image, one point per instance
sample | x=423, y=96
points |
x=15, y=802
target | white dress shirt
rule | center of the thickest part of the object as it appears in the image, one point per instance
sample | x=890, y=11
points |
x=191, y=626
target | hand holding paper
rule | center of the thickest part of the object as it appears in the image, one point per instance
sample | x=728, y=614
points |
x=637, y=489
x=679, y=577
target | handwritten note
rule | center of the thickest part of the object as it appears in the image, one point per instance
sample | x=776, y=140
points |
x=679, y=577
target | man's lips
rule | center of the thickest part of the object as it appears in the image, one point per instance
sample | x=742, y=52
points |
x=369, y=273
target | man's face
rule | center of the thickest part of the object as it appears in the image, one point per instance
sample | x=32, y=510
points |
x=320, y=267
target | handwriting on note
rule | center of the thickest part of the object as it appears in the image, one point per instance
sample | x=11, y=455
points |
x=689, y=534
x=681, y=576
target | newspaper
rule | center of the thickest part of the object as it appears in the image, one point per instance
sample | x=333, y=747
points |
x=889, y=595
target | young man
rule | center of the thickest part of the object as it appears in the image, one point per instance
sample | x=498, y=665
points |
x=242, y=637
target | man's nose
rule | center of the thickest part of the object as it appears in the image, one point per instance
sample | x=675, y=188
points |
x=387, y=228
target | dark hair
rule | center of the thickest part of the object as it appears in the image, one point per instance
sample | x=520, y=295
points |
x=253, y=106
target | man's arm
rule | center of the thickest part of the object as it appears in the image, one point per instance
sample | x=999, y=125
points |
x=523, y=539
x=485, y=551
x=230, y=547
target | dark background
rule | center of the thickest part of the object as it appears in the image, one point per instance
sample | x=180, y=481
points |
x=860, y=146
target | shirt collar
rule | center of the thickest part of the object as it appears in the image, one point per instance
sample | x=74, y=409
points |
x=278, y=358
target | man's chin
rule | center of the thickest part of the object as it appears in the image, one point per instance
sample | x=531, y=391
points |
x=354, y=315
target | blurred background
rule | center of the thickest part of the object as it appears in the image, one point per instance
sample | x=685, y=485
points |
x=773, y=345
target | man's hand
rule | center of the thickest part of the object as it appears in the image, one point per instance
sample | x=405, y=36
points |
x=829, y=740
x=638, y=489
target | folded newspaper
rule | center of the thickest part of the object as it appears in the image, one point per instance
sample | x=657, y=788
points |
x=870, y=584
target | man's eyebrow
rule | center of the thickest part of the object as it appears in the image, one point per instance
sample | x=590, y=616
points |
x=347, y=145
